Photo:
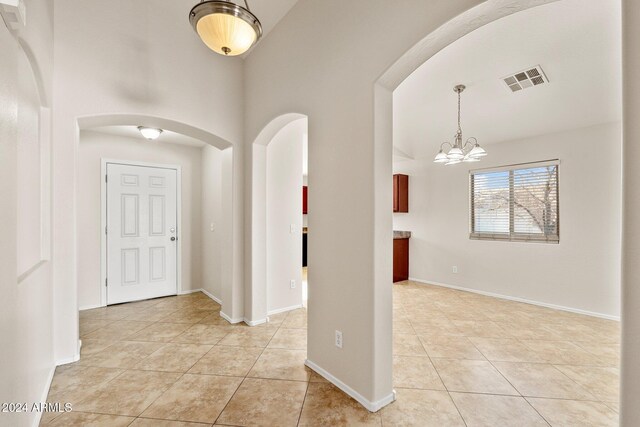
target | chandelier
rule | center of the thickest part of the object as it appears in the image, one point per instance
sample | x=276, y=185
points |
x=470, y=151
x=225, y=27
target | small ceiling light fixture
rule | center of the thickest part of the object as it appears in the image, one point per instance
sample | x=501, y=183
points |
x=150, y=133
x=470, y=151
x=225, y=27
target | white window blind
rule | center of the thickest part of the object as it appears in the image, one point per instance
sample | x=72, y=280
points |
x=517, y=202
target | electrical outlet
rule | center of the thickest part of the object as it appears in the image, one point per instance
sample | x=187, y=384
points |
x=293, y=284
x=454, y=269
x=339, y=339
x=212, y=227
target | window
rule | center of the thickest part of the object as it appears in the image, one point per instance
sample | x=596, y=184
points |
x=516, y=203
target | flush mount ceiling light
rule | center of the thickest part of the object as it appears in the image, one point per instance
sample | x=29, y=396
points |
x=150, y=133
x=470, y=151
x=225, y=27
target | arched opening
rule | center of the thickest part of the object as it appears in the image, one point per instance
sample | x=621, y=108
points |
x=200, y=228
x=440, y=39
x=277, y=221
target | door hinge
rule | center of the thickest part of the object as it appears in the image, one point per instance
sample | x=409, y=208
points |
x=106, y=178
x=106, y=282
x=105, y=230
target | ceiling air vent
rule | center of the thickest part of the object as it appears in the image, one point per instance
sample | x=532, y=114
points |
x=526, y=79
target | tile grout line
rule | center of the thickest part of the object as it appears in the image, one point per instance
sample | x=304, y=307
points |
x=598, y=397
x=304, y=400
x=440, y=377
x=249, y=370
x=182, y=374
x=164, y=344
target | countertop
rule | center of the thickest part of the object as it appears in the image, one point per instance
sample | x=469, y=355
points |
x=401, y=234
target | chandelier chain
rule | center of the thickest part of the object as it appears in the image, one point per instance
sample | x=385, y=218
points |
x=460, y=151
x=459, y=127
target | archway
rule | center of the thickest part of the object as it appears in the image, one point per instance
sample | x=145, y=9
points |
x=202, y=152
x=421, y=52
x=258, y=310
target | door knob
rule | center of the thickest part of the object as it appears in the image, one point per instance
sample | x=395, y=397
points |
x=173, y=239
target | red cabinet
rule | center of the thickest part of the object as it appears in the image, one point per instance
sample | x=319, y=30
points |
x=401, y=193
x=304, y=200
x=400, y=260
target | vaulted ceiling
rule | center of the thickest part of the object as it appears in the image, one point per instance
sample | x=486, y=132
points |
x=581, y=57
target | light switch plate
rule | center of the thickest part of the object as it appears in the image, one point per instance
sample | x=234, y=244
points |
x=339, y=339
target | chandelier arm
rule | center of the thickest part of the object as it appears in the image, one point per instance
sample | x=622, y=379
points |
x=446, y=143
x=247, y=4
x=471, y=141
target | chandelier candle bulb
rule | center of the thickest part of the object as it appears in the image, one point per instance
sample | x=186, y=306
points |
x=469, y=151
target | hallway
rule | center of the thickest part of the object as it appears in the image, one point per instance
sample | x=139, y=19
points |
x=459, y=358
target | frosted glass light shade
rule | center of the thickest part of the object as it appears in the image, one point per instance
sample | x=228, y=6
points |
x=477, y=151
x=453, y=162
x=150, y=133
x=225, y=27
x=455, y=154
x=441, y=157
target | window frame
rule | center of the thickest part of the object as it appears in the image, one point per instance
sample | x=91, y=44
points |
x=513, y=236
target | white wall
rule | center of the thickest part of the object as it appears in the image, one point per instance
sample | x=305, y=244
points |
x=331, y=80
x=630, y=375
x=212, y=214
x=95, y=146
x=284, y=209
x=26, y=295
x=135, y=58
x=582, y=272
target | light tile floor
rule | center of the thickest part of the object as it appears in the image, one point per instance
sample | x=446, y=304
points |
x=459, y=359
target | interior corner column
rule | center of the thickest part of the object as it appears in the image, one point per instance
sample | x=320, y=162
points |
x=630, y=374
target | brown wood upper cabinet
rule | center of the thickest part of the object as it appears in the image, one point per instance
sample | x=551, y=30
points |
x=304, y=200
x=400, y=193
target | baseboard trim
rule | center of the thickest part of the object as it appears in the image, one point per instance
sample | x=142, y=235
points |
x=68, y=360
x=204, y=291
x=369, y=405
x=255, y=322
x=229, y=319
x=283, y=310
x=183, y=292
x=210, y=295
x=517, y=299
x=38, y=418
x=90, y=307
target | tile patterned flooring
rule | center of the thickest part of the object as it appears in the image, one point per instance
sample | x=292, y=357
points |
x=460, y=359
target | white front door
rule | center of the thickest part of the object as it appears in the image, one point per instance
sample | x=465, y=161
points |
x=142, y=232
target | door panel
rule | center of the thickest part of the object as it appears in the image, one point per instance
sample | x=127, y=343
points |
x=141, y=221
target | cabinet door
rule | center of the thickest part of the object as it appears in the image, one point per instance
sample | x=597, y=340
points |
x=304, y=200
x=395, y=193
x=400, y=260
x=401, y=193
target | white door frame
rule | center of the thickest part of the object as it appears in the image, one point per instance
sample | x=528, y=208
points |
x=103, y=220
